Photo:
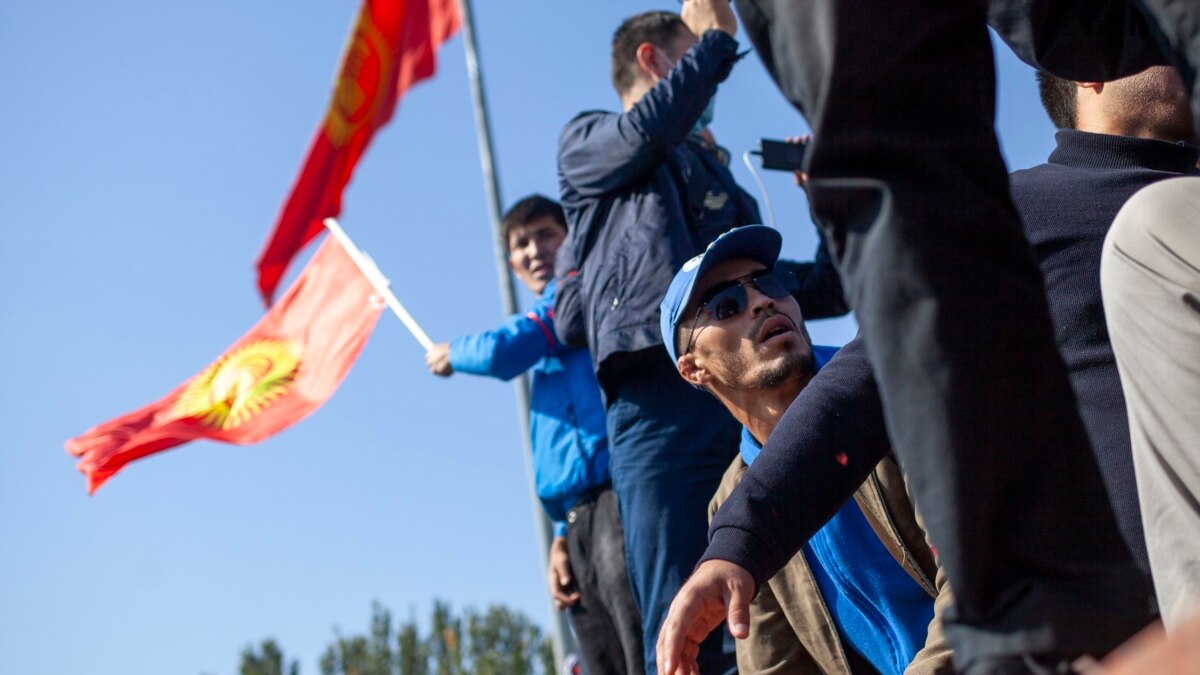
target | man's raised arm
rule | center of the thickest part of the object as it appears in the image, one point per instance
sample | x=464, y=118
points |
x=601, y=152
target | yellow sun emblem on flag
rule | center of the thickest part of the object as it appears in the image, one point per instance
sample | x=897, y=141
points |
x=240, y=384
x=361, y=81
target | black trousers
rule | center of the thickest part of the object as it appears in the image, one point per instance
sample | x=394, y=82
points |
x=605, y=619
x=908, y=184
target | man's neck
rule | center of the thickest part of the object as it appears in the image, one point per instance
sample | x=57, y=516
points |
x=1133, y=128
x=760, y=410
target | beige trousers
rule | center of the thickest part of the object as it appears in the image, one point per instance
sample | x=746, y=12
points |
x=1150, y=278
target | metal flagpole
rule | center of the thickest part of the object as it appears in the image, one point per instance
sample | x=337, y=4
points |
x=564, y=642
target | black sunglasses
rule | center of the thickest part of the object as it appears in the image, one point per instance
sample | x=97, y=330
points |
x=728, y=299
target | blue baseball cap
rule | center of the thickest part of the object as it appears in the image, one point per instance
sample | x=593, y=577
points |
x=757, y=242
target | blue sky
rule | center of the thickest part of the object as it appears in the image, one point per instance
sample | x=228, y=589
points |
x=148, y=146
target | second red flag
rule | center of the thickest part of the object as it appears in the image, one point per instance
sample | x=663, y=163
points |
x=392, y=47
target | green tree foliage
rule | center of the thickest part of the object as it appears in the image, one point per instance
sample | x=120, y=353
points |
x=496, y=642
x=266, y=660
x=413, y=655
x=445, y=641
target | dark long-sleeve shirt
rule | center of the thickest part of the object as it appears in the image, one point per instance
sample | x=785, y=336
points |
x=1067, y=206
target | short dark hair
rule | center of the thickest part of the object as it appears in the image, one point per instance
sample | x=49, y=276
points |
x=658, y=28
x=529, y=209
x=1058, y=98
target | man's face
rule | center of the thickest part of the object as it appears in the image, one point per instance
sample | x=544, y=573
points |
x=531, y=249
x=761, y=347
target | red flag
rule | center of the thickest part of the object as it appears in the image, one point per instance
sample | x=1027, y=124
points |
x=391, y=49
x=278, y=373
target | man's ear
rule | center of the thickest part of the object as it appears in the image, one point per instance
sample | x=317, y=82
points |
x=692, y=371
x=648, y=60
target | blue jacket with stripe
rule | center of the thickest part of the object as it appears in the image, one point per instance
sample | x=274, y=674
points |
x=566, y=417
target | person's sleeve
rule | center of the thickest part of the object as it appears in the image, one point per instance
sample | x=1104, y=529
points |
x=569, y=326
x=510, y=349
x=825, y=446
x=819, y=286
x=600, y=153
x=1081, y=50
x=560, y=528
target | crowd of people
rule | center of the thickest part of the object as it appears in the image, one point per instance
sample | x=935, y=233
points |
x=999, y=474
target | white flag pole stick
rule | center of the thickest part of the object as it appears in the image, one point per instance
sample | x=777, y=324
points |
x=380, y=282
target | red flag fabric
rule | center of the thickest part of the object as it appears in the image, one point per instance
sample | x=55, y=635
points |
x=274, y=376
x=392, y=48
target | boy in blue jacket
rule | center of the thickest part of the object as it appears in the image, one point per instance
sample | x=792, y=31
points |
x=586, y=568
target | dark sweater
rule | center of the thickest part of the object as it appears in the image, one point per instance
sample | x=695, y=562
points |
x=767, y=519
x=1067, y=206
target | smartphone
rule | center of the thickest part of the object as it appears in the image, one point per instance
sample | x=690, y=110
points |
x=781, y=155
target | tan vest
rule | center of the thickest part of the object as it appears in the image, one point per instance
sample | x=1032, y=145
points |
x=791, y=630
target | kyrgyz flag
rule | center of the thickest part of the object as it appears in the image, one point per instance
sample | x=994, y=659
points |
x=391, y=49
x=273, y=377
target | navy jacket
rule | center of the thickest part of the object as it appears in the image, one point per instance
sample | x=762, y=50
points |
x=566, y=417
x=642, y=195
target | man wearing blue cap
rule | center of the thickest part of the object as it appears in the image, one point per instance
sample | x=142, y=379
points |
x=859, y=596
x=644, y=190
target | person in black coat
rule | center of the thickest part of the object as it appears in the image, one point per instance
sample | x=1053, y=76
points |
x=909, y=185
x=1067, y=206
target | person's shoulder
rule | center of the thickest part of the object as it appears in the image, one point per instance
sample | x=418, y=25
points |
x=1034, y=181
x=1032, y=173
x=586, y=119
x=582, y=127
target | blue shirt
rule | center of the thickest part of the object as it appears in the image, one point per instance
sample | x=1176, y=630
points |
x=877, y=608
x=566, y=416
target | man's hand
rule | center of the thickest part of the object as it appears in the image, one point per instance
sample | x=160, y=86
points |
x=800, y=176
x=703, y=15
x=718, y=591
x=559, y=575
x=438, y=360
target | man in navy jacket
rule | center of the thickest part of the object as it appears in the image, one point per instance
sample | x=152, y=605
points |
x=645, y=190
x=586, y=569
